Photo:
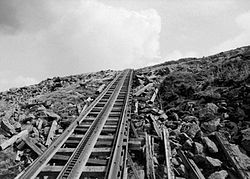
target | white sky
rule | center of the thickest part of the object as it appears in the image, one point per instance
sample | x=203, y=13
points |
x=40, y=39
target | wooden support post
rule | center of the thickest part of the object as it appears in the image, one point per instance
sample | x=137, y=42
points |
x=134, y=130
x=150, y=172
x=51, y=133
x=13, y=139
x=234, y=156
x=151, y=101
x=132, y=165
x=39, y=123
x=33, y=146
x=192, y=169
x=136, y=107
x=168, y=171
x=156, y=126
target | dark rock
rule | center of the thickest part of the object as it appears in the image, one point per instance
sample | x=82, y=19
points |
x=210, y=126
x=175, y=162
x=210, y=145
x=219, y=175
x=187, y=145
x=181, y=169
x=208, y=112
x=212, y=162
x=191, y=129
x=191, y=119
x=245, y=142
x=198, y=148
x=200, y=159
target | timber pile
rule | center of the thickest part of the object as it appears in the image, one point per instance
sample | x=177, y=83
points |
x=195, y=101
x=32, y=117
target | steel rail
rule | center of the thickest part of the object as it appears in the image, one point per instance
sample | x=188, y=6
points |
x=36, y=167
x=115, y=168
x=74, y=167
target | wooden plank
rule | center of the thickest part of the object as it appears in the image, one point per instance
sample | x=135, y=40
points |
x=236, y=158
x=95, y=150
x=99, y=143
x=135, y=144
x=13, y=139
x=134, y=130
x=33, y=146
x=105, y=126
x=156, y=126
x=132, y=165
x=152, y=99
x=168, y=171
x=149, y=158
x=88, y=171
x=102, y=137
x=136, y=107
x=100, y=89
x=51, y=134
x=95, y=161
x=140, y=91
x=18, y=156
x=39, y=123
x=85, y=169
x=104, y=130
x=192, y=169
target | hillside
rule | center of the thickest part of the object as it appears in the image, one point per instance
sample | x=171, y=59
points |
x=195, y=98
x=198, y=97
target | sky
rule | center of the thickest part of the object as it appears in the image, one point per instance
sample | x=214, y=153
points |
x=42, y=39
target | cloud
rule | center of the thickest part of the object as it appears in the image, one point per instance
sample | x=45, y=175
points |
x=53, y=38
x=241, y=39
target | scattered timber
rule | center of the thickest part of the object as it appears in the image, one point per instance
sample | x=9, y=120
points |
x=152, y=100
x=51, y=133
x=168, y=171
x=33, y=146
x=156, y=126
x=100, y=89
x=238, y=160
x=13, y=139
x=136, y=107
x=150, y=172
x=132, y=165
x=140, y=91
x=192, y=170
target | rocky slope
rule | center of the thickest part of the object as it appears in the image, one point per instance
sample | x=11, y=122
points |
x=192, y=98
x=198, y=97
x=34, y=108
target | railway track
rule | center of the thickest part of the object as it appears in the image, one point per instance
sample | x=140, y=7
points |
x=95, y=144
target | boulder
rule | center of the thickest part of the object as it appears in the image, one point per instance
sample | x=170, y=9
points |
x=245, y=142
x=175, y=162
x=219, y=175
x=191, y=119
x=212, y=107
x=200, y=159
x=188, y=145
x=208, y=112
x=191, y=129
x=210, y=126
x=210, y=145
x=198, y=148
x=212, y=162
x=181, y=169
